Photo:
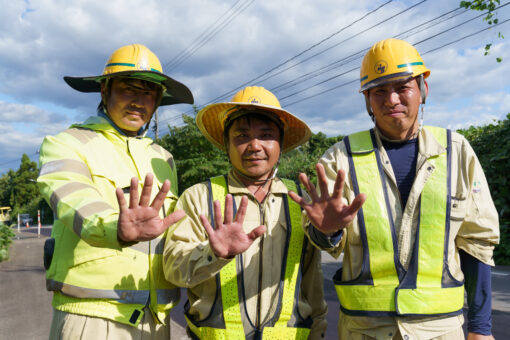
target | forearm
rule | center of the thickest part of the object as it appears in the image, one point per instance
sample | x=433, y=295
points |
x=478, y=286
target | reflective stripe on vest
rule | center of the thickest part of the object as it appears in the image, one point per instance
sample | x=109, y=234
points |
x=228, y=280
x=384, y=287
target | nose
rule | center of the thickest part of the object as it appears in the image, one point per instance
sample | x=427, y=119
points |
x=254, y=145
x=392, y=98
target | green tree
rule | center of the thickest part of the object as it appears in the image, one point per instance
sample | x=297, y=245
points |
x=492, y=146
x=18, y=189
x=195, y=157
x=485, y=5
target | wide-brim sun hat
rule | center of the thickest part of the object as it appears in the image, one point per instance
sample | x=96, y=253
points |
x=135, y=61
x=212, y=118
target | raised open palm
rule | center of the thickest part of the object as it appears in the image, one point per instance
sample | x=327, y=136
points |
x=141, y=221
x=229, y=238
x=328, y=213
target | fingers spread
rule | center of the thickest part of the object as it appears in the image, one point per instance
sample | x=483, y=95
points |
x=160, y=197
x=339, y=184
x=121, y=199
x=146, y=191
x=241, y=212
x=296, y=198
x=228, y=209
x=207, y=226
x=133, y=193
x=322, y=180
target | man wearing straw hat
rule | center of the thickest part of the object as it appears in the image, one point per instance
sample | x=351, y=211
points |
x=241, y=250
x=411, y=210
x=103, y=261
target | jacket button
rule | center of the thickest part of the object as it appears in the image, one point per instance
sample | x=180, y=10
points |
x=429, y=168
x=406, y=337
x=209, y=258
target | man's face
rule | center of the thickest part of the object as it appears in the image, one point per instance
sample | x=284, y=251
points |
x=254, y=146
x=130, y=103
x=395, y=107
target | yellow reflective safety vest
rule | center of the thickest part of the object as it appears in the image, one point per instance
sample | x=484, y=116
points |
x=225, y=319
x=90, y=272
x=384, y=287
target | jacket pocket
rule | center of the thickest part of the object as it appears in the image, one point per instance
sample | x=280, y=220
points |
x=458, y=208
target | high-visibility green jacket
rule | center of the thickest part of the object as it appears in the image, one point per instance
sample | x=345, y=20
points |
x=229, y=307
x=383, y=287
x=91, y=273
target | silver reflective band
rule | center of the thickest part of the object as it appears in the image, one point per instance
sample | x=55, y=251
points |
x=65, y=190
x=81, y=134
x=87, y=210
x=65, y=165
x=139, y=297
x=154, y=247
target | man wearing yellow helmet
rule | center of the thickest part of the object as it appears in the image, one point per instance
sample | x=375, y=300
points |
x=103, y=260
x=411, y=210
x=253, y=274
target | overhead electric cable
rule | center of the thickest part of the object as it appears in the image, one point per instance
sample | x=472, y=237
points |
x=207, y=35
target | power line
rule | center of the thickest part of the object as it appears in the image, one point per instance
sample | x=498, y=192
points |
x=355, y=56
x=204, y=38
x=429, y=51
x=299, y=54
x=412, y=31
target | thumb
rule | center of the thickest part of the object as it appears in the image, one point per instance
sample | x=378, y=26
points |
x=257, y=232
x=174, y=217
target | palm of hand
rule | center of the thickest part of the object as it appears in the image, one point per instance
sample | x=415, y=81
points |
x=229, y=238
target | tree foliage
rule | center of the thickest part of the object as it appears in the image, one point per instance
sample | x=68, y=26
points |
x=485, y=5
x=18, y=189
x=195, y=158
x=492, y=146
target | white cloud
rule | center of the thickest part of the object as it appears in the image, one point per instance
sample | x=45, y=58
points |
x=43, y=40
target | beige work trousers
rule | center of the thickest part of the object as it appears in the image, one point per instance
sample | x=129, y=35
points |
x=67, y=326
x=457, y=334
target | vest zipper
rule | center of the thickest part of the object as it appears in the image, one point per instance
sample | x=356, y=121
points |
x=258, y=320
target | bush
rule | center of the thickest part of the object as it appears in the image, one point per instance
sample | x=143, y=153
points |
x=6, y=235
x=492, y=146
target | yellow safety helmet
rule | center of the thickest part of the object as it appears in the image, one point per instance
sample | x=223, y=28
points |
x=212, y=118
x=390, y=60
x=135, y=61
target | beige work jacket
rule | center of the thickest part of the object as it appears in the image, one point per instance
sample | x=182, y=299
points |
x=474, y=228
x=190, y=262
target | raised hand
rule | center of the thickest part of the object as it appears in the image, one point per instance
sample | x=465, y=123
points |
x=229, y=238
x=328, y=213
x=141, y=221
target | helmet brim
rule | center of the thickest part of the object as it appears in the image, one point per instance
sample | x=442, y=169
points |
x=175, y=92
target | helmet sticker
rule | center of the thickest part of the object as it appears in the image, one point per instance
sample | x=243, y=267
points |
x=380, y=67
x=254, y=100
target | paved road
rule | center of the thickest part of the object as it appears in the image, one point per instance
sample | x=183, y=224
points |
x=25, y=305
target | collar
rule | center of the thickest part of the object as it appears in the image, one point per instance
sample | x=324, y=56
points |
x=235, y=186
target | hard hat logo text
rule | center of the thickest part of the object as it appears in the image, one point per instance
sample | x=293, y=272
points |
x=254, y=100
x=380, y=67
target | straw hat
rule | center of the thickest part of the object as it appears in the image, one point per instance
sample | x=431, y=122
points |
x=211, y=119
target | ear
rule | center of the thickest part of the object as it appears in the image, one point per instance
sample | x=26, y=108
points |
x=425, y=89
x=103, y=92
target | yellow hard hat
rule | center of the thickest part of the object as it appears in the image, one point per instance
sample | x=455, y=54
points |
x=211, y=119
x=135, y=61
x=390, y=60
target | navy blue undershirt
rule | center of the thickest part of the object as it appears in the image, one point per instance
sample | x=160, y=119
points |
x=403, y=156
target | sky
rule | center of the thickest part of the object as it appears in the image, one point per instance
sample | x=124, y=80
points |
x=307, y=53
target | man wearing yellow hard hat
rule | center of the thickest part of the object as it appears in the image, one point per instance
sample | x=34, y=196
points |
x=411, y=210
x=241, y=251
x=103, y=260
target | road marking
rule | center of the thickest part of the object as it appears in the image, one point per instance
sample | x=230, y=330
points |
x=500, y=274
